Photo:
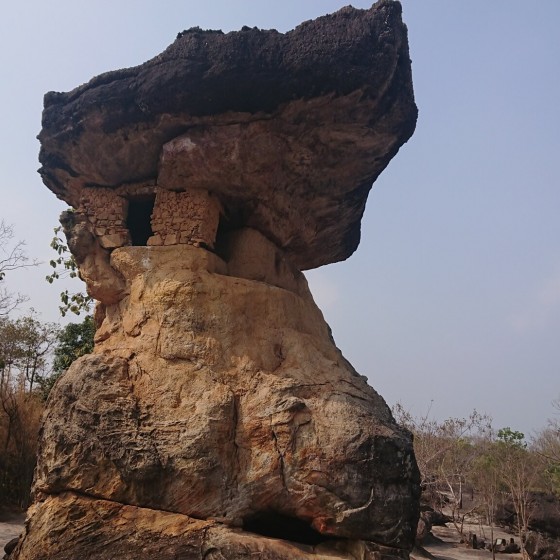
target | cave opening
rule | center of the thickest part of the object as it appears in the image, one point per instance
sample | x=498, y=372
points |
x=279, y=526
x=139, y=219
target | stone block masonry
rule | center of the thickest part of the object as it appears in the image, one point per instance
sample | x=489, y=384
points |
x=286, y=130
x=189, y=217
x=106, y=211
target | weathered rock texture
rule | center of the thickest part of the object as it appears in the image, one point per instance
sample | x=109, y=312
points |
x=75, y=527
x=224, y=398
x=216, y=418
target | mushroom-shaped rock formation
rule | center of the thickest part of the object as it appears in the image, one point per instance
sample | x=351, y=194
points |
x=216, y=418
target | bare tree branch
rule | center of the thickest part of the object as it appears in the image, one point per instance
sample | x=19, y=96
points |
x=12, y=257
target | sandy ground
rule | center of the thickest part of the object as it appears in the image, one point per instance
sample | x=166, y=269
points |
x=451, y=549
x=10, y=526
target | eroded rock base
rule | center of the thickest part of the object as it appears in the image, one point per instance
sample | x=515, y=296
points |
x=69, y=526
x=215, y=391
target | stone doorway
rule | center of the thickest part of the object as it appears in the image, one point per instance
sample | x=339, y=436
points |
x=139, y=219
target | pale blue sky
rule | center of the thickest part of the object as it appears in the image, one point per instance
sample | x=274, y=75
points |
x=454, y=293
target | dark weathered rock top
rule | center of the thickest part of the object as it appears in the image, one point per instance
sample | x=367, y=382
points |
x=288, y=131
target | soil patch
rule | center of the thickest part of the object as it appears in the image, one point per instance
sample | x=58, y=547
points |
x=11, y=526
x=447, y=545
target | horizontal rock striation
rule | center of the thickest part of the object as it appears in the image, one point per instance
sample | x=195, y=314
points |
x=80, y=527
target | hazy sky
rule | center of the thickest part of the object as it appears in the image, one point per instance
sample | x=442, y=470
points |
x=453, y=297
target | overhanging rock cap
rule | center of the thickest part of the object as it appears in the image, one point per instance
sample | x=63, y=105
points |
x=288, y=131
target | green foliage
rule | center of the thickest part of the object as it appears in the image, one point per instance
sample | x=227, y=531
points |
x=512, y=438
x=65, y=266
x=73, y=341
x=25, y=348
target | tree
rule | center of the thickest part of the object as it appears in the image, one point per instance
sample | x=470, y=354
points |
x=22, y=413
x=459, y=451
x=32, y=356
x=445, y=452
x=502, y=468
x=427, y=448
x=36, y=342
x=519, y=471
x=486, y=476
x=25, y=357
x=12, y=257
x=72, y=342
x=547, y=445
x=25, y=347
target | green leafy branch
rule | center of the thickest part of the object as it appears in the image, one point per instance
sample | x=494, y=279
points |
x=65, y=266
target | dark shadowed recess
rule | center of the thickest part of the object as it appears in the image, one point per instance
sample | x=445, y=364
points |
x=139, y=218
x=278, y=526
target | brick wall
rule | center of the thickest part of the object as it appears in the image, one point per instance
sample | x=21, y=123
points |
x=190, y=217
x=107, y=212
x=185, y=218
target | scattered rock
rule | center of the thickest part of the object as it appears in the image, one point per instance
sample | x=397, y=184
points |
x=540, y=547
x=544, y=514
x=11, y=545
